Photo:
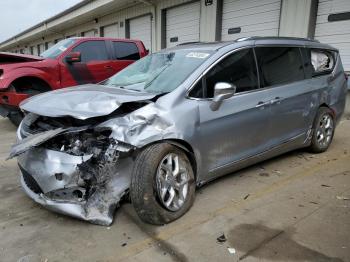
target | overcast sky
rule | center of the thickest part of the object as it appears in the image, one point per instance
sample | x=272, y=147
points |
x=18, y=15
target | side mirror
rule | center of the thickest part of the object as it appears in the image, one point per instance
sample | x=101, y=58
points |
x=73, y=57
x=222, y=91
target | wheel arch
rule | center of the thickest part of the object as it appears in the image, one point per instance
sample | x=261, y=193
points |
x=327, y=106
x=41, y=84
x=183, y=145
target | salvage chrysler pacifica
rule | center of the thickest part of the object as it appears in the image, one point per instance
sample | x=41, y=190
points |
x=175, y=120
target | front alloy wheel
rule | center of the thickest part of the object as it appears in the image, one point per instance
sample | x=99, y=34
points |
x=172, y=182
x=162, y=184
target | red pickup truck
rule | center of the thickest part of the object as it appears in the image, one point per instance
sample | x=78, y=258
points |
x=73, y=61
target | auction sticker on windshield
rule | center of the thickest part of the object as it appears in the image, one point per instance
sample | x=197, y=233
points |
x=197, y=55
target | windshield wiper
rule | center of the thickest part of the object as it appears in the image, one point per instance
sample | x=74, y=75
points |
x=155, y=77
x=123, y=87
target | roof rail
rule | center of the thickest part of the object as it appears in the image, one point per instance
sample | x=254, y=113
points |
x=275, y=37
x=189, y=43
x=245, y=38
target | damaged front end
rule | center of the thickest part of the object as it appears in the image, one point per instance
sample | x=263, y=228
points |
x=77, y=170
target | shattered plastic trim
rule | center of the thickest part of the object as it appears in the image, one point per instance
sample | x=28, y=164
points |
x=99, y=208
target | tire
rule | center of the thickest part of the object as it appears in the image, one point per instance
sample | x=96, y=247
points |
x=149, y=177
x=322, y=135
x=15, y=117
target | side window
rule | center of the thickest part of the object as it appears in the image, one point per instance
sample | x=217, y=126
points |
x=238, y=69
x=322, y=61
x=92, y=51
x=126, y=51
x=279, y=65
x=198, y=90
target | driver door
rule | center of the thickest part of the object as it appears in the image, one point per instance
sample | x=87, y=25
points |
x=95, y=64
x=239, y=128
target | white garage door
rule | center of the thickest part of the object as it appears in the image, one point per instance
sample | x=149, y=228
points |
x=245, y=18
x=40, y=48
x=50, y=44
x=333, y=27
x=111, y=31
x=90, y=33
x=182, y=24
x=141, y=29
x=35, y=50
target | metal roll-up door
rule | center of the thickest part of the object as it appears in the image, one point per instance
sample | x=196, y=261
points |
x=182, y=24
x=333, y=27
x=141, y=28
x=90, y=33
x=35, y=50
x=244, y=18
x=111, y=31
x=40, y=48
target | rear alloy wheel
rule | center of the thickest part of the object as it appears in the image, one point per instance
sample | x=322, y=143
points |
x=323, y=131
x=162, y=185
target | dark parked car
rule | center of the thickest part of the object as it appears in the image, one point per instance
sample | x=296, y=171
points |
x=175, y=120
x=70, y=62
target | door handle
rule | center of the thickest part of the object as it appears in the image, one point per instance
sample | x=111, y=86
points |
x=262, y=104
x=276, y=100
x=108, y=67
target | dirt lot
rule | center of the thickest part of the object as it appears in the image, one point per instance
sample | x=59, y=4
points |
x=294, y=207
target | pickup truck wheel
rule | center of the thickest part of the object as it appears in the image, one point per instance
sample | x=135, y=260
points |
x=162, y=185
x=323, y=130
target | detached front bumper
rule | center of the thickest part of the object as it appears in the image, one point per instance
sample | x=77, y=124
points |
x=67, y=208
x=53, y=180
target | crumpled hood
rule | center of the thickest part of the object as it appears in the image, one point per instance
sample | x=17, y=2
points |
x=6, y=58
x=82, y=102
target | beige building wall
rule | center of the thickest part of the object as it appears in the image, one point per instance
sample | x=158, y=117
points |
x=297, y=19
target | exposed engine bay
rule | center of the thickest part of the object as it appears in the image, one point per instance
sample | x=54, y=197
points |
x=77, y=166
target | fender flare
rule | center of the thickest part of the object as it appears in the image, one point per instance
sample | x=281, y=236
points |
x=24, y=72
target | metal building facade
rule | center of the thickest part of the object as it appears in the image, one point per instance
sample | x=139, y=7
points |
x=164, y=23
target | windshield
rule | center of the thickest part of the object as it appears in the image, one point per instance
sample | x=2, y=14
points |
x=58, y=48
x=159, y=72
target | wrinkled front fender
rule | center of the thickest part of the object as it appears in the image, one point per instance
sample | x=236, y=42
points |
x=149, y=124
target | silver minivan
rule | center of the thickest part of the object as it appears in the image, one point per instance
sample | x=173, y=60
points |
x=175, y=120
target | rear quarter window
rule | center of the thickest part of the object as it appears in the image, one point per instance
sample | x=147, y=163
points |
x=323, y=61
x=126, y=51
x=318, y=61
